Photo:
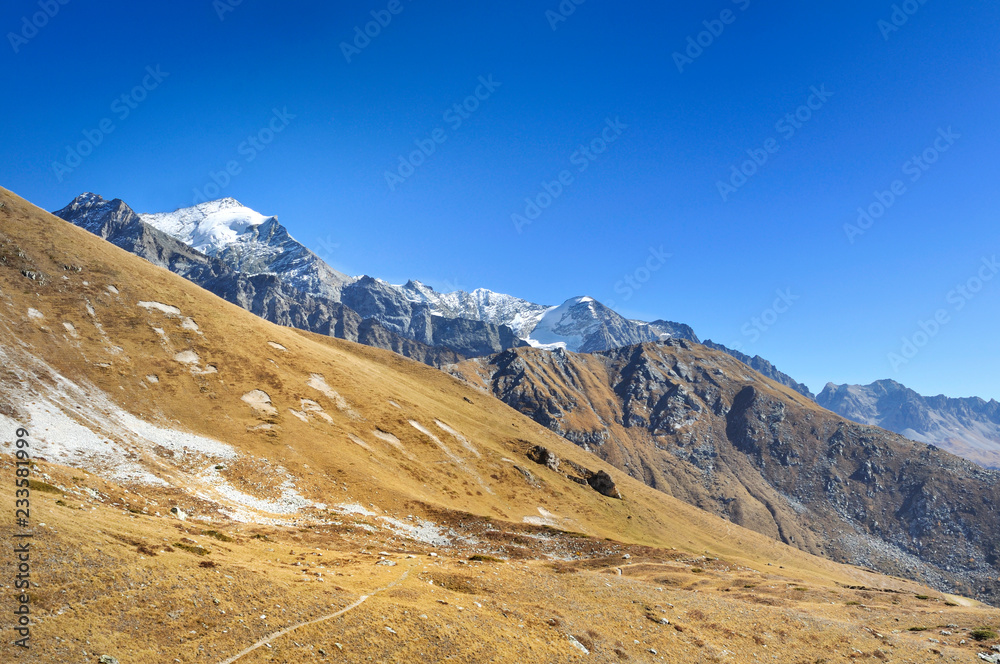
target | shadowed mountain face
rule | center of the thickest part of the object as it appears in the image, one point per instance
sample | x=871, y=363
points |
x=969, y=427
x=279, y=298
x=703, y=427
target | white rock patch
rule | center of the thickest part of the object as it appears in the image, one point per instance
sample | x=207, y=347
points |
x=310, y=407
x=451, y=455
x=187, y=357
x=387, y=437
x=360, y=443
x=277, y=346
x=318, y=382
x=167, y=309
x=290, y=501
x=459, y=437
x=35, y=313
x=259, y=400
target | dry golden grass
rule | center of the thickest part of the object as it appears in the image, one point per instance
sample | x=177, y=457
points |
x=115, y=578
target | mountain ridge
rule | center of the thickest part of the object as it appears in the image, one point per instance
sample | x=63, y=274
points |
x=704, y=427
x=969, y=427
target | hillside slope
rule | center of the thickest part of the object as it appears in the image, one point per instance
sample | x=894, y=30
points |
x=700, y=426
x=208, y=484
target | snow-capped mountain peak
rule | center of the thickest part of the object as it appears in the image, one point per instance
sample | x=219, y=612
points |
x=209, y=227
x=250, y=242
x=481, y=304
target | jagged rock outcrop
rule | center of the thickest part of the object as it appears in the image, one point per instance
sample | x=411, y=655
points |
x=600, y=481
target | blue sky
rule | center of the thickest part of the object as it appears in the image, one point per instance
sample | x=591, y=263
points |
x=659, y=133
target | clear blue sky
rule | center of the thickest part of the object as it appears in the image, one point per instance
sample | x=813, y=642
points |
x=656, y=185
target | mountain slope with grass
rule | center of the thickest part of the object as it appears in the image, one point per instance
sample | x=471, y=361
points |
x=695, y=423
x=209, y=486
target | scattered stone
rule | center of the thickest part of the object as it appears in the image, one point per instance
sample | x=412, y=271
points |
x=107, y=659
x=576, y=644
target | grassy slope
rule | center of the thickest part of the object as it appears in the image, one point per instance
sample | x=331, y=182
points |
x=95, y=558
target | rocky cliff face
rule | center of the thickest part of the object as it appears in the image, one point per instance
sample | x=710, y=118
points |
x=967, y=427
x=251, y=260
x=266, y=295
x=385, y=303
x=703, y=427
x=250, y=243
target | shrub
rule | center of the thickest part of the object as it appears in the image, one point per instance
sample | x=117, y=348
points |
x=983, y=634
x=217, y=535
x=923, y=596
x=196, y=550
x=484, y=559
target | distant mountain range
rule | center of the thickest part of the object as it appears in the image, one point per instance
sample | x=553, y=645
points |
x=250, y=259
x=966, y=427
